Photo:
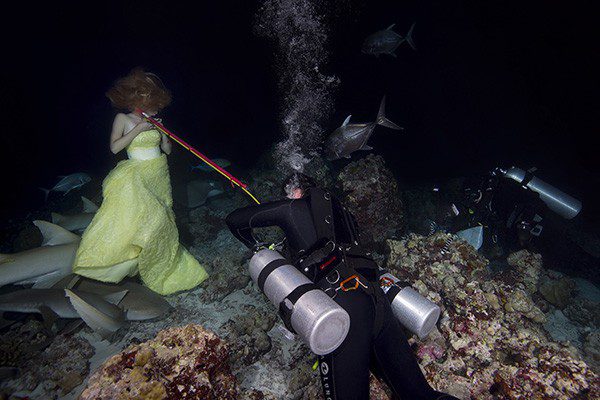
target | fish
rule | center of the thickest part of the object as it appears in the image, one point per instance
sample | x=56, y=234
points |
x=68, y=183
x=199, y=191
x=101, y=313
x=349, y=138
x=139, y=304
x=221, y=162
x=386, y=41
x=45, y=265
x=79, y=221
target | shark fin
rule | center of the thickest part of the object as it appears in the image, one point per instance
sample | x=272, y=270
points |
x=115, y=297
x=409, y=38
x=366, y=147
x=100, y=322
x=71, y=327
x=347, y=120
x=389, y=28
x=391, y=53
x=49, y=317
x=54, y=235
x=56, y=218
x=67, y=282
x=382, y=120
x=45, y=281
x=88, y=205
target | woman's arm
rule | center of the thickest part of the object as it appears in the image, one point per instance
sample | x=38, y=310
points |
x=165, y=144
x=119, y=139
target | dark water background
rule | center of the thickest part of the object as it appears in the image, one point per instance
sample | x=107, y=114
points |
x=492, y=83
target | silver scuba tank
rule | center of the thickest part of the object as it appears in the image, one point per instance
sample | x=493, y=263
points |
x=319, y=321
x=417, y=313
x=556, y=200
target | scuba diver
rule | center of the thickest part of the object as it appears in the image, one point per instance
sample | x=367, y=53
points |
x=312, y=219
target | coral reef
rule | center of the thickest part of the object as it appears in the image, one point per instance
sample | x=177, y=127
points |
x=371, y=194
x=491, y=342
x=61, y=367
x=187, y=362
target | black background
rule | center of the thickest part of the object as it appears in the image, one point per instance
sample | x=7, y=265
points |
x=492, y=83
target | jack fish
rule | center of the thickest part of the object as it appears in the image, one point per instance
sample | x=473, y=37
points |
x=386, y=42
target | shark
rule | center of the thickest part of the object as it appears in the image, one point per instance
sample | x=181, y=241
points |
x=42, y=266
x=101, y=313
x=76, y=222
x=349, y=138
x=68, y=183
x=386, y=41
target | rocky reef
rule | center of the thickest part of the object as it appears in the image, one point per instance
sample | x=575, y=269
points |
x=186, y=362
x=53, y=365
x=491, y=342
x=371, y=194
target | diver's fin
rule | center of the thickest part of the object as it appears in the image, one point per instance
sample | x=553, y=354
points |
x=88, y=205
x=409, y=38
x=382, y=120
x=56, y=218
x=115, y=297
x=347, y=120
x=389, y=28
x=54, y=235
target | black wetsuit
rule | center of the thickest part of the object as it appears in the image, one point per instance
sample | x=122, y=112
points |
x=375, y=340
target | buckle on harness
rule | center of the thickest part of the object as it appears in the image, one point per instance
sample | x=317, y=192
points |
x=357, y=282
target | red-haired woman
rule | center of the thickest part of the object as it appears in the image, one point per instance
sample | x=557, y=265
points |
x=134, y=230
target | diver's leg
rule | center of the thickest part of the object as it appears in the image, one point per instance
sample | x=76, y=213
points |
x=396, y=362
x=345, y=372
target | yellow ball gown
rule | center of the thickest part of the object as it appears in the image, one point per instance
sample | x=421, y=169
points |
x=134, y=230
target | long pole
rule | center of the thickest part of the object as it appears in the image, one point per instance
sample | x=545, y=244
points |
x=201, y=156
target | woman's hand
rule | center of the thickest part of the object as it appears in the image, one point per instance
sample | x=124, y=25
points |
x=142, y=126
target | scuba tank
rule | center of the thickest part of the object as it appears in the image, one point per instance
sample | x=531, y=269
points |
x=558, y=201
x=415, y=312
x=305, y=309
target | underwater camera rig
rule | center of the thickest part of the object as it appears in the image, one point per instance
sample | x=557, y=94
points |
x=558, y=201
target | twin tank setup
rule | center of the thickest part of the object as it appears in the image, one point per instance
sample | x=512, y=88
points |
x=316, y=318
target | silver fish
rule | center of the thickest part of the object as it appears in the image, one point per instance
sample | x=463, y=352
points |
x=45, y=265
x=386, y=41
x=68, y=183
x=349, y=138
x=79, y=221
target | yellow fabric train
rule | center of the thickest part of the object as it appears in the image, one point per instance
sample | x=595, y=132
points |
x=134, y=230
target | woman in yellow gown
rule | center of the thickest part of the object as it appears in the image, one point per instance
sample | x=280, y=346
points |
x=134, y=230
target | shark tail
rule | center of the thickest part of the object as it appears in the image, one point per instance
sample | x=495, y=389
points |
x=382, y=120
x=409, y=37
x=46, y=193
